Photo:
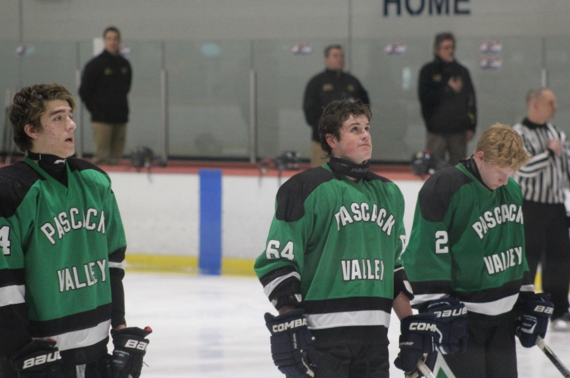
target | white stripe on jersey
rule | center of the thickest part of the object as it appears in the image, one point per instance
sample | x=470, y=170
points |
x=117, y=265
x=543, y=178
x=11, y=295
x=268, y=289
x=348, y=319
x=82, y=338
x=497, y=307
x=422, y=298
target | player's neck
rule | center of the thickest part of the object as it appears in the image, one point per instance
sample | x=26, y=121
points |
x=349, y=169
x=55, y=166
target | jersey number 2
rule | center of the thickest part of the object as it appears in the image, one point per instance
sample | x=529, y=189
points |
x=5, y=240
x=441, y=242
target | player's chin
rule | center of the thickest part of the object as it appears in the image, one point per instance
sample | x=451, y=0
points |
x=69, y=152
x=367, y=155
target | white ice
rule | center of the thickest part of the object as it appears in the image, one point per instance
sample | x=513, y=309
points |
x=213, y=327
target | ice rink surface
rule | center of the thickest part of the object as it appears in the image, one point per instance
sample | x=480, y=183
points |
x=213, y=327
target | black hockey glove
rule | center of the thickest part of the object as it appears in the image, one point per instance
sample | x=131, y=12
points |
x=130, y=348
x=292, y=345
x=451, y=325
x=535, y=309
x=38, y=359
x=416, y=342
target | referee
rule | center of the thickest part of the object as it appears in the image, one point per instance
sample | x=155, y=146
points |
x=542, y=182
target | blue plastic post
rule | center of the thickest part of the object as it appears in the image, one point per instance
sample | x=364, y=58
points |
x=210, y=259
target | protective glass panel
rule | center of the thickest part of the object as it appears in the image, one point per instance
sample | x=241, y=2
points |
x=557, y=65
x=208, y=98
x=283, y=69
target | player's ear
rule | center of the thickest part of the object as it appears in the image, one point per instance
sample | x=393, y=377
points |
x=31, y=131
x=331, y=140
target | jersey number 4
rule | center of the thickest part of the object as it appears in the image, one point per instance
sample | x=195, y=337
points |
x=5, y=240
x=272, y=250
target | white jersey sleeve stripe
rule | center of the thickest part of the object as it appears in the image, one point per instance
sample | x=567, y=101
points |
x=268, y=289
x=11, y=295
x=422, y=298
x=116, y=265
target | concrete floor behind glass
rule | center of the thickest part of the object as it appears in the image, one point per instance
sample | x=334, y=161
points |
x=213, y=327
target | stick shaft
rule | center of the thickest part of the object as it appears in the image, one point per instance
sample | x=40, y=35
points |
x=425, y=369
x=552, y=357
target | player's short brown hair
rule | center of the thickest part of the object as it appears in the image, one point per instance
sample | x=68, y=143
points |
x=503, y=147
x=29, y=105
x=335, y=114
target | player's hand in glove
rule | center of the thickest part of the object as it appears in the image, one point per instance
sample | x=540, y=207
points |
x=535, y=309
x=38, y=359
x=292, y=345
x=451, y=325
x=130, y=347
x=416, y=342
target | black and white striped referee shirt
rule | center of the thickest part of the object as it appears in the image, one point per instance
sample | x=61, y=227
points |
x=545, y=176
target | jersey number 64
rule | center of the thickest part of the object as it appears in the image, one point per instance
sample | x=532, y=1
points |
x=272, y=250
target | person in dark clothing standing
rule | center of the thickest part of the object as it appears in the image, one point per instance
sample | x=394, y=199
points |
x=104, y=87
x=324, y=88
x=448, y=103
x=542, y=182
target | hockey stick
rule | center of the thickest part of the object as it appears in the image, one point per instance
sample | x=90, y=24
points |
x=426, y=371
x=423, y=368
x=552, y=357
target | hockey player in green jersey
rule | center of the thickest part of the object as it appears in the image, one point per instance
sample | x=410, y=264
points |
x=467, y=251
x=62, y=245
x=331, y=265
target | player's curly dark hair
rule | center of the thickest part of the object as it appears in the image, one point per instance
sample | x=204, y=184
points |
x=334, y=115
x=29, y=105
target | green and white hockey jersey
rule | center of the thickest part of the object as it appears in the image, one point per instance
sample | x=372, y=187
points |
x=333, y=249
x=60, y=266
x=468, y=241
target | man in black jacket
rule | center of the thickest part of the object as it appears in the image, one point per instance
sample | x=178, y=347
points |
x=104, y=87
x=448, y=103
x=324, y=88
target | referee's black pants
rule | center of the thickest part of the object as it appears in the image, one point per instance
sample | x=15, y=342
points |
x=548, y=243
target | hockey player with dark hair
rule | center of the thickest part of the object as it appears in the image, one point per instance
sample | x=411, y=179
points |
x=331, y=265
x=62, y=244
x=466, y=261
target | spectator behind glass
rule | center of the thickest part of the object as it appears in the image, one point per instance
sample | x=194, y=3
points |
x=324, y=88
x=448, y=105
x=104, y=87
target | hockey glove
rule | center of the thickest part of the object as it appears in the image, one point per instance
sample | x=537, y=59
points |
x=130, y=348
x=416, y=342
x=292, y=345
x=536, y=309
x=451, y=325
x=38, y=359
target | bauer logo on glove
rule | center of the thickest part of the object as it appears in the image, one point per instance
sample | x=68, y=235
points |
x=40, y=358
x=130, y=348
x=535, y=311
x=451, y=323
